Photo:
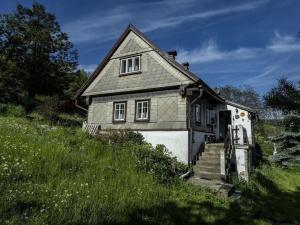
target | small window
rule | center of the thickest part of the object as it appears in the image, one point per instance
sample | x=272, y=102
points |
x=130, y=65
x=198, y=113
x=142, y=110
x=119, y=111
x=211, y=116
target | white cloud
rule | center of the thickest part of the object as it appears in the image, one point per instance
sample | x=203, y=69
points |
x=177, y=20
x=210, y=52
x=88, y=68
x=106, y=26
x=284, y=43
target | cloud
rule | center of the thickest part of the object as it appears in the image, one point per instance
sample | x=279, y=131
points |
x=88, y=68
x=284, y=43
x=210, y=52
x=177, y=20
x=106, y=26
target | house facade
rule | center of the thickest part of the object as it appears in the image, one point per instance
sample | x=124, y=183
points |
x=138, y=86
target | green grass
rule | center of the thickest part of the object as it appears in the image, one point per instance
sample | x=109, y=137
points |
x=61, y=176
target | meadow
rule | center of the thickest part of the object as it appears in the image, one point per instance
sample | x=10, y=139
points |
x=60, y=175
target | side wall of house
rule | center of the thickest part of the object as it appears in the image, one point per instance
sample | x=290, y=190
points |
x=202, y=128
x=238, y=119
x=167, y=111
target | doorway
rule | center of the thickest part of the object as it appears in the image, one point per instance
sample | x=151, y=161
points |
x=224, y=121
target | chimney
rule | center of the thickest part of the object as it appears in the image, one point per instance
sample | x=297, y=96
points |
x=172, y=54
x=186, y=65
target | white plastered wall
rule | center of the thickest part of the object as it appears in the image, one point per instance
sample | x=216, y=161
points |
x=240, y=120
x=175, y=141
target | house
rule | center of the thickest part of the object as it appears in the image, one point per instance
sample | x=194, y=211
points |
x=140, y=87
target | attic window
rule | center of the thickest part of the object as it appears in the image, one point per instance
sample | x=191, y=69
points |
x=130, y=65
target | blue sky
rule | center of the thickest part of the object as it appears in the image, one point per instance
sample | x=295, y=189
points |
x=226, y=42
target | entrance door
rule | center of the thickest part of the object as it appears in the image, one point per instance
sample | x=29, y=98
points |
x=224, y=121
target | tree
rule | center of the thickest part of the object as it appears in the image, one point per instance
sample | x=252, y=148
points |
x=245, y=95
x=11, y=89
x=286, y=97
x=43, y=56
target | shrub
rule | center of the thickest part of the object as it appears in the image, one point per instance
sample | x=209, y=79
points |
x=11, y=110
x=158, y=161
x=49, y=107
x=120, y=137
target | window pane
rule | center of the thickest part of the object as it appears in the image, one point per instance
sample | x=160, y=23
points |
x=119, y=111
x=198, y=113
x=142, y=110
x=137, y=64
x=123, y=66
x=129, y=65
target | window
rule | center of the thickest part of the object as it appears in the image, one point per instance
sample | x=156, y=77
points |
x=198, y=113
x=130, y=65
x=142, y=110
x=211, y=116
x=119, y=112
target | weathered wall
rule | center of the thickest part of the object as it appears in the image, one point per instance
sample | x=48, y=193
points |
x=167, y=111
x=155, y=70
x=202, y=126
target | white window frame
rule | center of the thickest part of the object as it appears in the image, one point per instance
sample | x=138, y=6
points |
x=145, y=117
x=133, y=65
x=119, y=112
x=198, y=113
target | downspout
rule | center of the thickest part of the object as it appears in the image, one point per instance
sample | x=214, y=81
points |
x=79, y=106
x=190, y=128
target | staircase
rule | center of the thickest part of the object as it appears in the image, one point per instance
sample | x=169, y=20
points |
x=208, y=165
x=207, y=171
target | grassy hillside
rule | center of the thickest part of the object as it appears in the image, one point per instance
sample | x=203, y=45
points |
x=61, y=176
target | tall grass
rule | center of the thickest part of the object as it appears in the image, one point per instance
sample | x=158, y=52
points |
x=57, y=175
x=61, y=176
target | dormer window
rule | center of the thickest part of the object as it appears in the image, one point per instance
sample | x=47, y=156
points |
x=130, y=65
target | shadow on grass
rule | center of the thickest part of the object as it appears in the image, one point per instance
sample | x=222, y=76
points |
x=263, y=202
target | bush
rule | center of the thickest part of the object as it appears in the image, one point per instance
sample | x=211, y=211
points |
x=49, y=107
x=120, y=137
x=11, y=110
x=158, y=161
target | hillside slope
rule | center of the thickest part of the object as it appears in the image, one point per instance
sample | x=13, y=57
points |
x=61, y=176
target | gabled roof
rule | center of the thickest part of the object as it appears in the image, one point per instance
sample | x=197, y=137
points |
x=241, y=106
x=175, y=64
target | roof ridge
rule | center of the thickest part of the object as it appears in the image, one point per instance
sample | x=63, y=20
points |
x=162, y=53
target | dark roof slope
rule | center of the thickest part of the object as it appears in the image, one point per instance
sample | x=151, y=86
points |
x=241, y=106
x=175, y=64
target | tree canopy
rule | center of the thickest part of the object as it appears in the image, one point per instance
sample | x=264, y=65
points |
x=37, y=56
x=286, y=97
x=245, y=95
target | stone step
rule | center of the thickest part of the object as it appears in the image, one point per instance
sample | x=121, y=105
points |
x=215, y=158
x=208, y=175
x=219, y=187
x=212, y=150
x=209, y=169
x=208, y=163
x=210, y=153
x=215, y=144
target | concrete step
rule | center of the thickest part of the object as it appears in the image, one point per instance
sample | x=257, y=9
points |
x=208, y=163
x=208, y=175
x=219, y=187
x=215, y=158
x=214, y=144
x=208, y=169
x=210, y=153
